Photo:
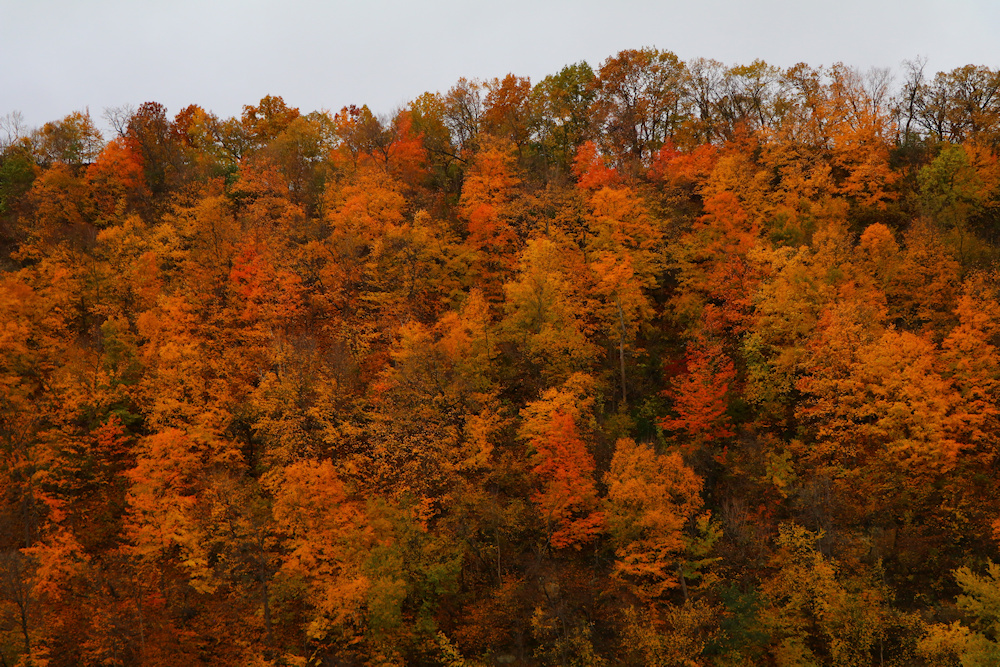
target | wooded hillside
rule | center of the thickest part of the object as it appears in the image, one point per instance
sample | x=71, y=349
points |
x=656, y=363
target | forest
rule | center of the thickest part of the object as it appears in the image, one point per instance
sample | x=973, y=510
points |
x=655, y=363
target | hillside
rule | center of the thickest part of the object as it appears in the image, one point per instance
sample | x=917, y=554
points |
x=653, y=363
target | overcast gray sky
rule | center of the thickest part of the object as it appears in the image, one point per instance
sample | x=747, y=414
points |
x=59, y=56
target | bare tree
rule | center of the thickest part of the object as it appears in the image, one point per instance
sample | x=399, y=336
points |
x=703, y=92
x=12, y=129
x=119, y=117
x=910, y=98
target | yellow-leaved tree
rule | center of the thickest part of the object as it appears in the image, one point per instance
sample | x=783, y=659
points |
x=978, y=646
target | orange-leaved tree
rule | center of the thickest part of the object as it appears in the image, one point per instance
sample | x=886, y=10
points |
x=567, y=497
x=488, y=192
x=718, y=272
x=701, y=397
x=651, y=498
x=621, y=305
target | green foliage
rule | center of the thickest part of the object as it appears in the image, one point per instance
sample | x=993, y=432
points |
x=17, y=171
x=742, y=636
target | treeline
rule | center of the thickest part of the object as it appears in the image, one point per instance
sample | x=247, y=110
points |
x=665, y=363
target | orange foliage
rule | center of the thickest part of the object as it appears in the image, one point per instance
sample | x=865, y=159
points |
x=684, y=168
x=327, y=535
x=564, y=468
x=568, y=499
x=591, y=168
x=63, y=204
x=407, y=157
x=701, y=397
x=507, y=109
x=718, y=272
x=487, y=188
x=310, y=389
x=650, y=499
x=270, y=295
x=117, y=177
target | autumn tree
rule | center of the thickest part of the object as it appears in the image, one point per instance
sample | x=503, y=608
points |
x=664, y=363
x=563, y=104
x=700, y=398
x=851, y=126
x=980, y=600
x=788, y=307
x=618, y=220
x=567, y=497
x=952, y=192
x=427, y=120
x=507, y=110
x=300, y=152
x=149, y=134
x=489, y=193
x=63, y=209
x=118, y=179
x=638, y=102
x=269, y=118
x=435, y=414
x=312, y=505
x=818, y=610
x=651, y=499
x=886, y=411
x=749, y=98
x=74, y=140
x=545, y=314
x=624, y=305
x=718, y=271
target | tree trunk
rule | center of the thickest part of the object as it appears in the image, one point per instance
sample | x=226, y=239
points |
x=621, y=345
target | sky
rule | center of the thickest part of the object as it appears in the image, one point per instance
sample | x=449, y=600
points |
x=61, y=56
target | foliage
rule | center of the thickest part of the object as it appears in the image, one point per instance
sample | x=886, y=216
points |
x=649, y=363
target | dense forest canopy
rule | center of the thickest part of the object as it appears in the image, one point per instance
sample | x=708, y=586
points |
x=654, y=363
